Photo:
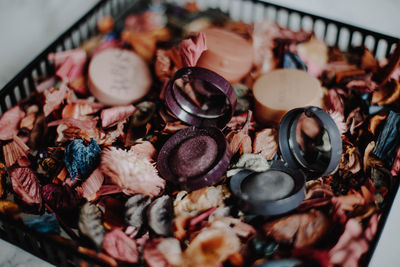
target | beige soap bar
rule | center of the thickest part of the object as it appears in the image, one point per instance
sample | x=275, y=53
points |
x=281, y=90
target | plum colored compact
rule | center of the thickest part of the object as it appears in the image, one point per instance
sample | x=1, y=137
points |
x=310, y=145
x=228, y=54
x=197, y=156
x=118, y=77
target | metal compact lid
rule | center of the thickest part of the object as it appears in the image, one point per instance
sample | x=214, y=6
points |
x=310, y=140
x=200, y=97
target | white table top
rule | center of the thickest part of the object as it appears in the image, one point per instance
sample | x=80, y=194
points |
x=27, y=27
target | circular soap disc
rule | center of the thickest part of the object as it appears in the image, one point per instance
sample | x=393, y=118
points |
x=281, y=90
x=118, y=77
x=228, y=54
x=269, y=185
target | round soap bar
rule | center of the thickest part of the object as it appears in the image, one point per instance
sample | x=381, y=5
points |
x=228, y=54
x=118, y=77
x=279, y=91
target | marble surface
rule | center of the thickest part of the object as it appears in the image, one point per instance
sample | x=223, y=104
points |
x=27, y=27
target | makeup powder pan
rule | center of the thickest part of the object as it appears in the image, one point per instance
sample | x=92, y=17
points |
x=310, y=145
x=199, y=155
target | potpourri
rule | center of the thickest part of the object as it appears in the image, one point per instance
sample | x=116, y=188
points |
x=79, y=164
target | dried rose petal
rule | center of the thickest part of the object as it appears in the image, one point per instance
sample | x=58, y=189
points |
x=130, y=171
x=91, y=185
x=265, y=142
x=162, y=252
x=302, y=229
x=9, y=122
x=338, y=118
x=191, y=49
x=200, y=200
x=26, y=185
x=121, y=247
x=61, y=198
x=54, y=97
x=111, y=116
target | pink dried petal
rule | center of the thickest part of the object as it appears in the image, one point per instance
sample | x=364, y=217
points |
x=14, y=151
x=64, y=69
x=91, y=185
x=338, y=118
x=162, y=65
x=145, y=149
x=130, y=171
x=350, y=247
x=152, y=256
x=201, y=217
x=113, y=43
x=335, y=101
x=26, y=185
x=70, y=122
x=75, y=72
x=54, y=97
x=354, y=120
x=111, y=116
x=265, y=142
x=78, y=57
x=240, y=228
x=162, y=252
x=396, y=164
x=372, y=227
x=108, y=189
x=191, y=49
x=121, y=247
x=9, y=122
x=46, y=84
x=241, y=141
x=79, y=110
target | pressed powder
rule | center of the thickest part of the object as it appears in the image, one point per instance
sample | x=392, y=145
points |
x=118, y=77
x=269, y=185
x=279, y=91
x=228, y=54
x=194, y=156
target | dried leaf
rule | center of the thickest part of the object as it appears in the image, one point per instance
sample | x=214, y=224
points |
x=240, y=141
x=44, y=224
x=26, y=185
x=121, y=247
x=90, y=223
x=130, y=171
x=9, y=122
x=112, y=116
x=80, y=159
x=265, y=142
x=375, y=122
x=91, y=185
x=302, y=229
x=255, y=162
x=16, y=151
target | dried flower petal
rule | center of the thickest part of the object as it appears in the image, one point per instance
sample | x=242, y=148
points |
x=9, y=122
x=240, y=228
x=111, y=116
x=302, y=229
x=145, y=149
x=160, y=215
x=90, y=223
x=80, y=159
x=26, y=185
x=351, y=160
x=62, y=199
x=338, y=118
x=241, y=141
x=386, y=94
x=121, y=247
x=54, y=97
x=354, y=120
x=14, y=151
x=8, y=207
x=162, y=252
x=350, y=247
x=335, y=100
x=265, y=142
x=76, y=123
x=200, y=200
x=91, y=185
x=130, y=171
x=162, y=65
x=44, y=224
x=3, y=177
x=135, y=210
x=375, y=122
x=192, y=48
x=79, y=110
x=210, y=247
x=255, y=162
x=396, y=164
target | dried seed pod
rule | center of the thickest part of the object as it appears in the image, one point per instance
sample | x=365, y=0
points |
x=80, y=159
x=90, y=223
x=160, y=215
x=44, y=224
x=135, y=207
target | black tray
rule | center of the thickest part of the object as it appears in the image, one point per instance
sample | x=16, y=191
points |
x=23, y=84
